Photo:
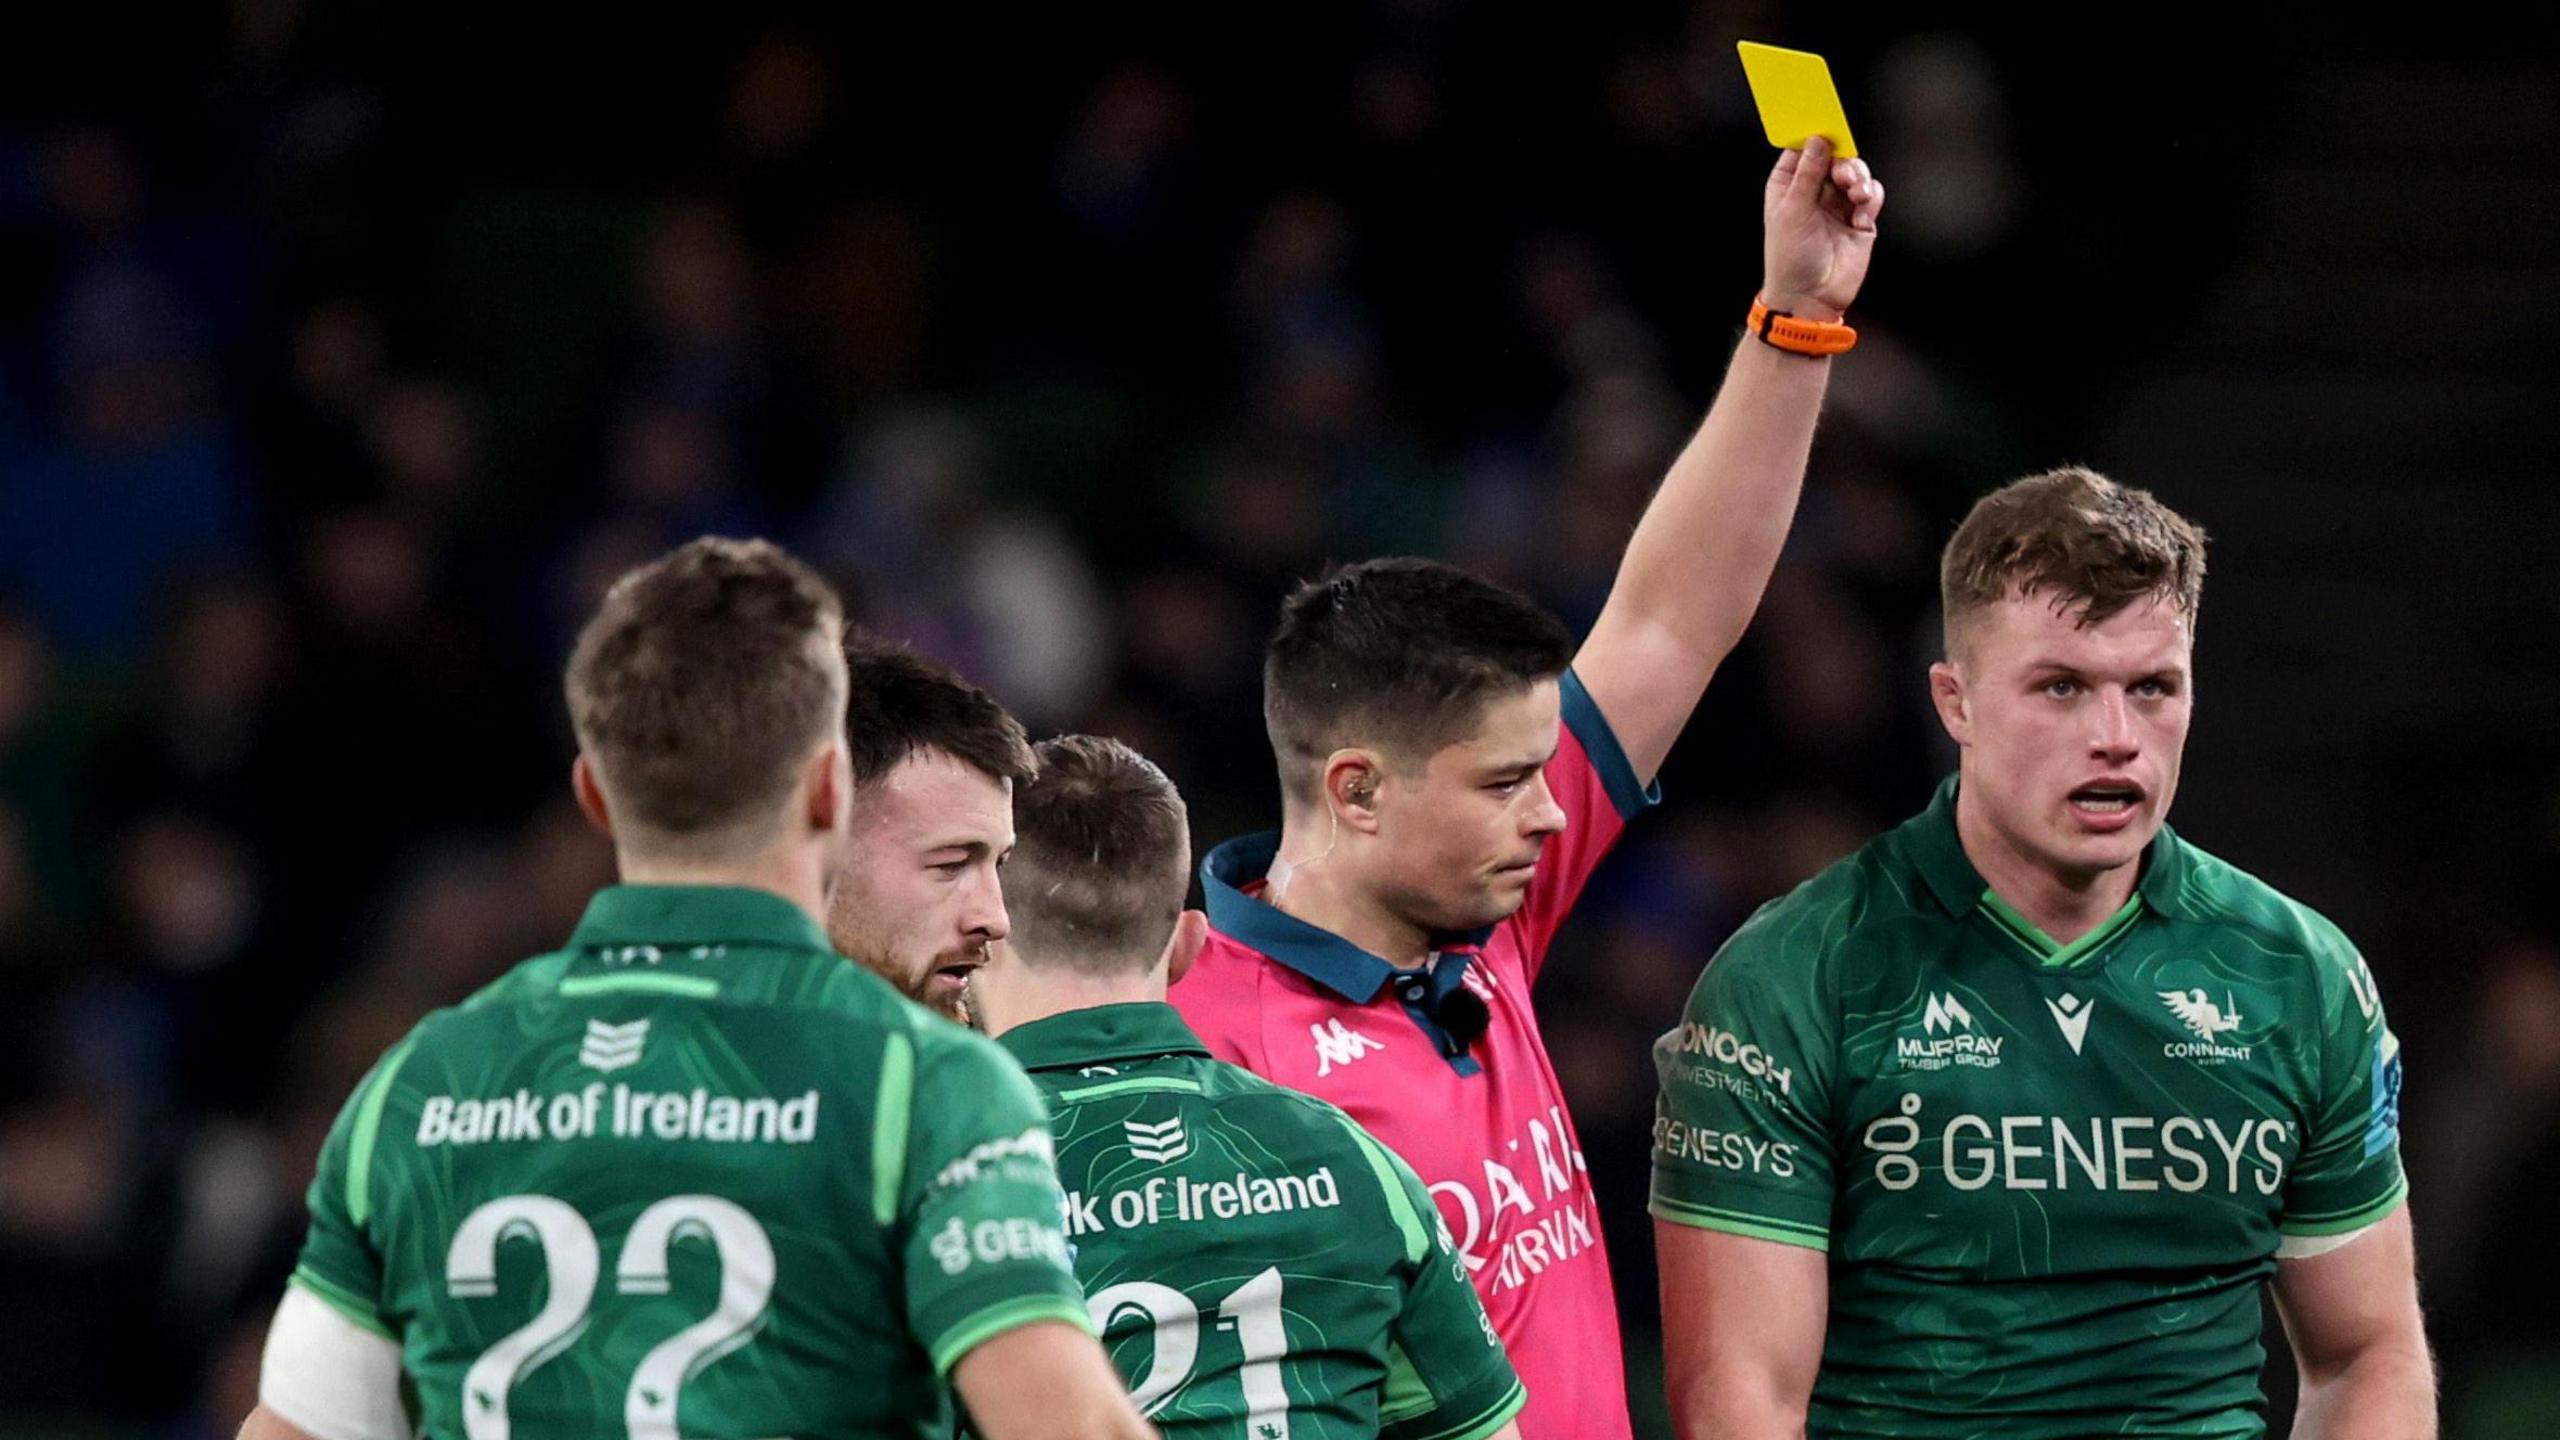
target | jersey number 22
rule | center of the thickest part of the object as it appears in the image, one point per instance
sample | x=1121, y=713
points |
x=570, y=1253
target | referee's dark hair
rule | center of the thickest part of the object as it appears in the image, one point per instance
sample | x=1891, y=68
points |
x=1400, y=654
x=898, y=703
x=1101, y=858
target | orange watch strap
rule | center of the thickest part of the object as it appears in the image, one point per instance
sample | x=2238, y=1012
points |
x=1780, y=330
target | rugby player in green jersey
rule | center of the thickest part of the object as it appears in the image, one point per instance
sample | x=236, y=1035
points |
x=1261, y=1269
x=2001, y=1126
x=935, y=763
x=692, y=1173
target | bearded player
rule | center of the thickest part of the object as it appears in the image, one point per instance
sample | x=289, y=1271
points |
x=691, y=1173
x=935, y=762
x=1452, y=768
x=2003, y=1125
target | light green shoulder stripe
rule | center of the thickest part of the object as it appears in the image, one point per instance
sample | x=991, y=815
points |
x=1123, y=1087
x=1006, y=1315
x=692, y=987
x=368, y=1126
x=889, y=1127
x=2312, y=1227
x=1417, y=1237
x=1754, y=1227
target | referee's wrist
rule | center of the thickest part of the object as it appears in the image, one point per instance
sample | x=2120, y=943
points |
x=1803, y=307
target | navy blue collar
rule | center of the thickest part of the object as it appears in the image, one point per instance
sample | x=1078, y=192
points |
x=1326, y=958
x=1311, y=950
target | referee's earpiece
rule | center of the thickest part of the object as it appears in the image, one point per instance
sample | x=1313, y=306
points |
x=1352, y=780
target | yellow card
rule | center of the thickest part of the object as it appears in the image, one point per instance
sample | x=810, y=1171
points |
x=1796, y=98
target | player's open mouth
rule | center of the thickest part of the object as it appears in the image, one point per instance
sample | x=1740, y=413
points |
x=953, y=977
x=2106, y=799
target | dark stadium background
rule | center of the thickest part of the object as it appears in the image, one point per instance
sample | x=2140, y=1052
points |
x=346, y=348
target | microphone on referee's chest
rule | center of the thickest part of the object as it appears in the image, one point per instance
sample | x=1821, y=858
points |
x=1442, y=994
x=1463, y=1017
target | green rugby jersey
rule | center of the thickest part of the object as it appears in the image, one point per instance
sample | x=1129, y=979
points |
x=1260, y=1268
x=694, y=1174
x=2051, y=1179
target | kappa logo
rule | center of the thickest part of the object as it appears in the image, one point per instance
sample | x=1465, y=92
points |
x=2072, y=1013
x=613, y=1047
x=1162, y=1143
x=1336, y=1045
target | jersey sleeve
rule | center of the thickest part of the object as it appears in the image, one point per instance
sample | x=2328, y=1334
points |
x=2347, y=1175
x=1596, y=786
x=1447, y=1375
x=976, y=1197
x=1743, y=1140
x=340, y=1261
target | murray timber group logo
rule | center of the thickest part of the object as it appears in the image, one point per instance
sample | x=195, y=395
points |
x=1162, y=1143
x=1948, y=1036
x=2209, y=1021
x=1945, y=1012
x=613, y=1047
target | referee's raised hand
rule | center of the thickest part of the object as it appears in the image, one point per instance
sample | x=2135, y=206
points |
x=1819, y=223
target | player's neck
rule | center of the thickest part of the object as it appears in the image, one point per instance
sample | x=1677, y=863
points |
x=2065, y=905
x=1034, y=993
x=1305, y=883
x=797, y=873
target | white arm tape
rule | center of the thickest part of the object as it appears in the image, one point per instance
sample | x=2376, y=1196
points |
x=330, y=1377
x=2303, y=1247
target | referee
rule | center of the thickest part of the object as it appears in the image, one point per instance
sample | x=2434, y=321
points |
x=1452, y=768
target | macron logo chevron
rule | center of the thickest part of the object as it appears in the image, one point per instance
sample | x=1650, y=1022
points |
x=2071, y=1013
x=1162, y=1143
x=613, y=1047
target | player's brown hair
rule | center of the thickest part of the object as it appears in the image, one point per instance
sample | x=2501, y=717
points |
x=705, y=681
x=2076, y=538
x=898, y=703
x=1101, y=858
x=1400, y=653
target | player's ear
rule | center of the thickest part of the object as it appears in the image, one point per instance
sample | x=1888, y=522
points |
x=590, y=792
x=1190, y=932
x=1351, y=782
x=826, y=790
x=1954, y=706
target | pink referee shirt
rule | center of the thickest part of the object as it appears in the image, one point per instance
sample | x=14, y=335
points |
x=1485, y=1126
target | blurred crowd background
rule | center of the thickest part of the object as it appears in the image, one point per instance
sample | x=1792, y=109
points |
x=346, y=350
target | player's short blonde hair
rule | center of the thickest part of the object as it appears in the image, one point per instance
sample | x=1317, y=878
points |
x=2076, y=538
